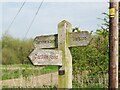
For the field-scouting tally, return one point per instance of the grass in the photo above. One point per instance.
(16, 71)
(25, 88)
(30, 70)
(16, 66)
(85, 85)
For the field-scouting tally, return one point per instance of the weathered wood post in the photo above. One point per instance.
(113, 45)
(65, 71)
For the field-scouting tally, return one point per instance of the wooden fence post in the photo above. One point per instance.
(65, 71)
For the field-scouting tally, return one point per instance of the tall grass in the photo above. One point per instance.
(91, 81)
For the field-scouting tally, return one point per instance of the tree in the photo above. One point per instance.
(94, 57)
(15, 51)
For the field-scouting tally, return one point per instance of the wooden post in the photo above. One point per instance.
(65, 71)
(113, 49)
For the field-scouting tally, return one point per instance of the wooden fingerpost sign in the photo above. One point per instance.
(54, 50)
(65, 81)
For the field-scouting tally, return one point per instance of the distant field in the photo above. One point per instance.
(16, 71)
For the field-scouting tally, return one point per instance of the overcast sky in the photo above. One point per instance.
(80, 14)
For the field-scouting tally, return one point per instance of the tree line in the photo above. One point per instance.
(14, 50)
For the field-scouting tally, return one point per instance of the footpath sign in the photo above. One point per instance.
(54, 50)
(75, 39)
(47, 41)
(46, 57)
(82, 38)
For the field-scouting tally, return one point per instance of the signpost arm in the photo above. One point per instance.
(65, 71)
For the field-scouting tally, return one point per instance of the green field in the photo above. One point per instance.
(16, 71)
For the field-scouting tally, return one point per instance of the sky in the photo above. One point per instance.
(82, 14)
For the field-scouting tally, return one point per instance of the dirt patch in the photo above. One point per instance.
(33, 81)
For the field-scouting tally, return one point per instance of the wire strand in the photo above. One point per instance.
(33, 19)
(15, 17)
